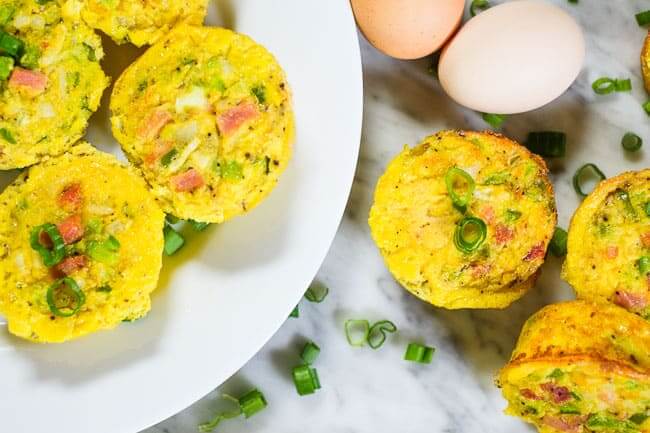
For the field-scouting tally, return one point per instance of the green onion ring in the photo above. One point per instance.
(460, 240)
(494, 120)
(310, 352)
(558, 245)
(451, 176)
(478, 4)
(577, 177)
(79, 296)
(631, 142)
(57, 253)
(295, 313)
(416, 352)
(643, 18)
(317, 293)
(252, 402)
(377, 333)
(306, 379)
(604, 86)
(643, 264)
(352, 325)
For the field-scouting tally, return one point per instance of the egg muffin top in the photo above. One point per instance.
(50, 80)
(81, 242)
(463, 220)
(206, 115)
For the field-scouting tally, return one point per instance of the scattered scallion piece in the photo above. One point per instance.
(198, 226)
(168, 157)
(551, 144)
(647, 208)
(64, 297)
(512, 215)
(581, 173)
(478, 5)
(623, 85)
(7, 136)
(624, 196)
(643, 18)
(316, 293)
(643, 264)
(558, 247)
(460, 186)
(646, 107)
(104, 251)
(419, 353)
(470, 234)
(295, 313)
(6, 66)
(494, 120)
(306, 379)
(573, 1)
(607, 85)
(11, 45)
(310, 352)
(171, 219)
(638, 418)
(631, 142)
(356, 331)
(50, 256)
(31, 57)
(248, 405)
(173, 240)
(377, 333)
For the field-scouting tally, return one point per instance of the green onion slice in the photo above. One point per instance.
(104, 251)
(606, 85)
(173, 240)
(460, 186)
(6, 66)
(646, 207)
(551, 144)
(494, 120)
(558, 247)
(316, 293)
(310, 352)
(168, 157)
(583, 172)
(377, 333)
(643, 18)
(356, 331)
(646, 107)
(624, 196)
(478, 5)
(623, 85)
(52, 256)
(64, 297)
(638, 418)
(11, 45)
(419, 353)
(7, 136)
(470, 234)
(631, 142)
(643, 264)
(252, 402)
(198, 226)
(306, 379)
(295, 313)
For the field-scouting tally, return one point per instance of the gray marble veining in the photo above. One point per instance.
(376, 391)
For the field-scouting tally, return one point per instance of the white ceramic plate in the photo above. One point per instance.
(223, 296)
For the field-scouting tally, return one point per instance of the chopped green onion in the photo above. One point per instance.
(173, 240)
(638, 418)
(11, 45)
(316, 293)
(310, 352)
(647, 208)
(582, 172)
(7, 136)
(252, 402)
(295, 313)
(198, 226)
(470, 234)
(512, 215)
(573, 1)
(550, 144)
(623, 195)
(556, 374)
(606, 85)
(168, 157)
(207, 427)
(105, 289)
(478, 5)
(356, 331)
(603, 422)
(104, 251)
(460, 186)
(646, 107)
(73, 298)
(377, 333)
(6, 14)
(306, 379)
(6, 66)
(418, 353)
(631, 142)
(171, 219)
(494, 120)
(260, 93)
(643, 264)
(558, 247)
(31, 57)
(643, 18)
(569, 409)
(112, 243)
(52, 256)
(623, 85)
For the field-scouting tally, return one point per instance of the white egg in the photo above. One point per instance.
(512, 58)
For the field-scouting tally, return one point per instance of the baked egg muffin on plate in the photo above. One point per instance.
(81, 241)
(608, 247)
(463, 220)
(581, 367)
(206, 115)
(140, 22)
(645, 62)
(50, 80)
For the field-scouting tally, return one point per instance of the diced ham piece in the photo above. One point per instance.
(33, 81)
(71, 229)
(503, 234)
(71, 264)
(232, 119)
(71, 197)
(188, 181)
(645, 239)
(487, 213)
(611, 252)
(529, 394)
(566, 423)
(537, 252)
(160, 149)
(630, 301)
(153, 124)
(559, 394)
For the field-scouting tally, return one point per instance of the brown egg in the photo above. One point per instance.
(408, 29)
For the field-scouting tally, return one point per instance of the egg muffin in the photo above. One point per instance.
(50, 80)
(136, 21)
(581, 367)
(81, 242)
(608, 256)
(206, 115)
(645, 62)
(463, 220)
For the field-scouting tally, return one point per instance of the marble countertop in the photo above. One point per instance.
(376, 391)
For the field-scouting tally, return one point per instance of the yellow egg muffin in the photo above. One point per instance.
(206, 115)
(581, 367)
(463, 220)
(645, 62)
(608, 256)
(81, 242)
(50, 80)
(140, 22)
